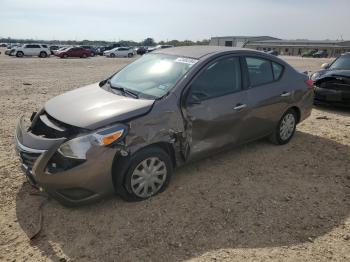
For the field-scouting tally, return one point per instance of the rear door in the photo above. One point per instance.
(267, 96)
(215, 107)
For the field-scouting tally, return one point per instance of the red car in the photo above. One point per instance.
(73, 52)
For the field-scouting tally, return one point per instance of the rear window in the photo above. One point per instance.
(263, 71)
(259, 70)
(277, 70)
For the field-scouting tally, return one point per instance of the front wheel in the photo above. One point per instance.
(285, 129)
(130, 55)
(19, 54)
(148, 174)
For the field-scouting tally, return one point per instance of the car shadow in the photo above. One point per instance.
(254, 196)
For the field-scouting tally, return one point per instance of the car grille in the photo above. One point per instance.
(341, 85)
(48, 127)
(28, 159)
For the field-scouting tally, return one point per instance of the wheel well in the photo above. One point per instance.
(297, 111)
(168, 148)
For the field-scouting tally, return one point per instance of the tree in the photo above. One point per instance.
(149, 42)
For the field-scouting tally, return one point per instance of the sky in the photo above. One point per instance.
(178, 19)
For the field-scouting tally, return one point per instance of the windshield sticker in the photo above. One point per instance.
(184, 60)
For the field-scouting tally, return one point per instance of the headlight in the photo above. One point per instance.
(77, 147)
(314, 76)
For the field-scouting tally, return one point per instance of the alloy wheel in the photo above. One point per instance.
(287, 126)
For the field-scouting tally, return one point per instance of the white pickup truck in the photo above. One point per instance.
(32, 50)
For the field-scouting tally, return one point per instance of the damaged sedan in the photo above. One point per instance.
(332, 84)
(128, 133)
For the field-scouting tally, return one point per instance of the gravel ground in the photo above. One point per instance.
(258, 202)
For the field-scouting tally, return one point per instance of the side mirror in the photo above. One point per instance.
(325, 65)
(102, 83)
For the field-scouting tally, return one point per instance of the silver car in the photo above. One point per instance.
(129, 132)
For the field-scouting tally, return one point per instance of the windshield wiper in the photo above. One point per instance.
(124, 90)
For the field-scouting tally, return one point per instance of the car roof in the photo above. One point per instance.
(198, 52)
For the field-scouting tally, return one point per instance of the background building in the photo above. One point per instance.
(284, 47)
(237, 41)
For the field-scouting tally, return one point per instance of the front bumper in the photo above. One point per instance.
(330, 96)
(84, 183)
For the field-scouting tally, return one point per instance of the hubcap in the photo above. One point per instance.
(148, 177)
(287, 126)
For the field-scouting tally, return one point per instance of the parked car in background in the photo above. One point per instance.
(32, 50)
(54, 48)
(107, 48)
(140, 50)
(164, 46)
(73, 52)
(3, 45)
(119, 52)
(332, 84)
(128, 133)
(10, 50)
(309, 53)
(320, 54)
(100, 50)
(61, 49)
(91, 48)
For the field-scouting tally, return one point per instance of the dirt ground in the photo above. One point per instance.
(258, 202)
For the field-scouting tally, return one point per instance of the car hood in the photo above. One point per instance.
(92, 107)
(331, 73)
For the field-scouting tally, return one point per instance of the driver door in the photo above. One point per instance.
(216, 106)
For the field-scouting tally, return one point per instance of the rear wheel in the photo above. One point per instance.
(43, 55)
(285, 129)
(19, 54)
(148, 173)
(130, 55)
(92, 54)
(65, 56)
(112, 55)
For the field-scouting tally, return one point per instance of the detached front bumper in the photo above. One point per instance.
(81, 184)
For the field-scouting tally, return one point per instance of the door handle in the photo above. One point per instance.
(284, 94)
(240, 106)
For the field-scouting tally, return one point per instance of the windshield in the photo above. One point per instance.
(153, 75)
(343, 62)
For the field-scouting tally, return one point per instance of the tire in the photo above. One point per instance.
(128, 173)
(92, 54)
(282, 135)
(43, 55)
(130, 55)
(19, 54)
(112, 55)
(84, 56)
(65, 56)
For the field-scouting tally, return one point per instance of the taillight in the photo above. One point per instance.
(310, 84)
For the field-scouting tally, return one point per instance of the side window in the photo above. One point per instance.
(259, 70)
(44, 46)
(277, 70)
(35, 46)
(218, 79)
